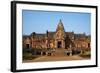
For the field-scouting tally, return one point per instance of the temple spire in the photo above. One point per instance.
(60, 22)
(60, 26)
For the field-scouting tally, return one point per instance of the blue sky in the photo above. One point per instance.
(41, 21)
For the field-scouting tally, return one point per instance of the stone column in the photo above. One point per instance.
(41, 53)
(55, 44)
(63, 44)
(70, 53)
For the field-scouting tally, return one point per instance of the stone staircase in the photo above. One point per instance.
(59, 52)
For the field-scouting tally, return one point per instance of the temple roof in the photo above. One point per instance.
(60, 26)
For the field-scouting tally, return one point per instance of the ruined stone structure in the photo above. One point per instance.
(58, 40)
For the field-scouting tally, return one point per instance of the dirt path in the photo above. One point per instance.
(55, 58)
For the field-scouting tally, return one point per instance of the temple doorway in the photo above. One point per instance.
(59, 45)
(27, 46)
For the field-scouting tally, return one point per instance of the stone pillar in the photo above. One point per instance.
(46, 53)
(41, 53)
(55, 44)
(81, 52)
(63, 44)
(70, 53)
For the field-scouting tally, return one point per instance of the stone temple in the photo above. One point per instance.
(57, 42)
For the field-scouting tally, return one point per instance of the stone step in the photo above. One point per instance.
(59, 53)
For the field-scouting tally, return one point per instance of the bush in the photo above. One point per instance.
(27, 56)
(86, 54)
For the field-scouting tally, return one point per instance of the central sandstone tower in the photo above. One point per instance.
(60, 36)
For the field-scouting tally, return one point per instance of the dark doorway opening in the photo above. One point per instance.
(44, 53)
(38, 53)
(59, 44)
(88, 45)
(27, 46)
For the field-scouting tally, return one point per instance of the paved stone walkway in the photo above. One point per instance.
(55, 58)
